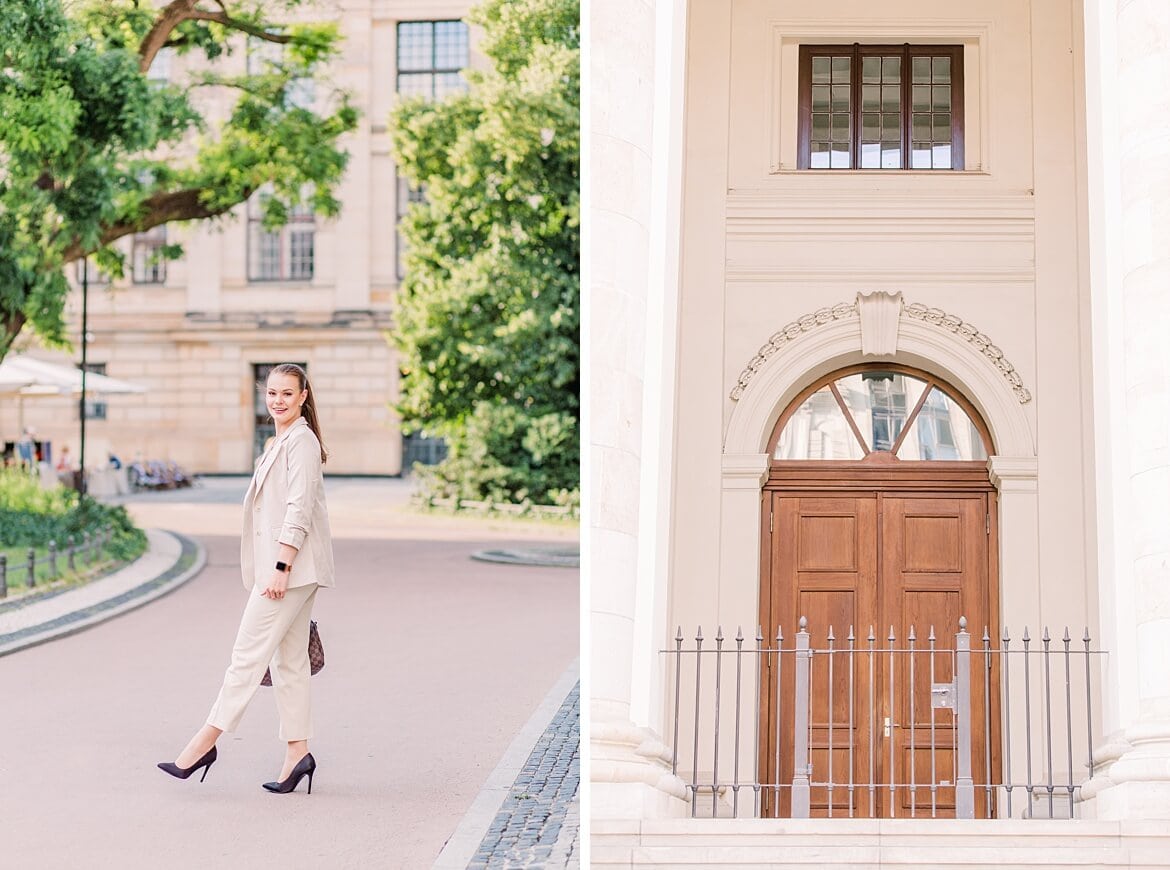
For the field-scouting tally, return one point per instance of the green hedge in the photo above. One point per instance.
(31, 517)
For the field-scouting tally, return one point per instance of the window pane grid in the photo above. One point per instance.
(147, 266)
(832, 107)
(431, 55)
(899, 109)
(286, 254)
(933, 118)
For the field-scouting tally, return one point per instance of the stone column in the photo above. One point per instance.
(628, 361)
(1134, 764)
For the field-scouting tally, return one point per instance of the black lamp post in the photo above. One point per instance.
(81, 487)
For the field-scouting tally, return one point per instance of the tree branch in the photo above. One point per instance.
(10, 325)
(179, 205)
(178, 11)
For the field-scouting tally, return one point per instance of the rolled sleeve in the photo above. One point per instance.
(303, 458)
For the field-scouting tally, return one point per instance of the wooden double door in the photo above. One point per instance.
(900, 564)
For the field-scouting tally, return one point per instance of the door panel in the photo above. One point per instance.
(826, 548)
(933, 569)
(886, 560)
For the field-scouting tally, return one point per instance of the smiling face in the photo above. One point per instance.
(284, 397)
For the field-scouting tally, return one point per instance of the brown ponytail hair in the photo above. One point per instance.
(309, 408)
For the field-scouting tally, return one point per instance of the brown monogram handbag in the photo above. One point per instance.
(316, 655)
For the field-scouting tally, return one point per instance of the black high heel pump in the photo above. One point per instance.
(205, 762)
(305, 767)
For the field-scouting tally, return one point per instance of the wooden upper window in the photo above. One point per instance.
(881, 107)
(884, 412)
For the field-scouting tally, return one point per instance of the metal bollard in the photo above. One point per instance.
(800, 767)
(32, 567)
(964, 787)
(70, 549)
(3, 575)
(52, 560)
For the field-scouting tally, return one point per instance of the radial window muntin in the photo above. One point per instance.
(879, 412)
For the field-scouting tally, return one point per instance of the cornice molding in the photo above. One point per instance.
(963, 329)
(915, 311)
(796, 328)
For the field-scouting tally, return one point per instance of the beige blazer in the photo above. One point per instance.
(285, 504)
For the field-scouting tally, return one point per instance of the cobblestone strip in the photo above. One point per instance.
(539, 822)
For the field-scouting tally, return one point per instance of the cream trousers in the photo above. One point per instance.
(272, 633)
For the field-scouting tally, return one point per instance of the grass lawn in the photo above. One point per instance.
(88, 566)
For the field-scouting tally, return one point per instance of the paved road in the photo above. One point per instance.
(434, 662)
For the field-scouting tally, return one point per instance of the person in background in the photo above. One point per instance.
(26, 450)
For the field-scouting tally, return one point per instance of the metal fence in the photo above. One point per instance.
(870, 727)
(76, 553)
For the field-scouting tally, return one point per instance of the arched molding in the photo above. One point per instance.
(837, 343)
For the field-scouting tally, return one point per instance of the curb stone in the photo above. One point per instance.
(192, 556)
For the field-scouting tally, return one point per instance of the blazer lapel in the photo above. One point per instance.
(265, 465)
(269, 458)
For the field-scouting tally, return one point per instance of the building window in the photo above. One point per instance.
(264, 57)
(877, 409)
(285, 254)
(160, 68)
(95, 409)
(431, 55)
(95, 277)
(881, 107)
(407, 194)
(148, 266)
(423, 449)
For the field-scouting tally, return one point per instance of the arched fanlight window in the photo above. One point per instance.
(881, 413)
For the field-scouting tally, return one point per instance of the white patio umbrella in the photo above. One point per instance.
(23, 376)
(26, 376)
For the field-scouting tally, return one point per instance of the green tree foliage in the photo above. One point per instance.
(488, 315)
(92, 149)
(31, 516)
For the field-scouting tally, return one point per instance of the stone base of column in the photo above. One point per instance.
(630, 774)
(1132, 776)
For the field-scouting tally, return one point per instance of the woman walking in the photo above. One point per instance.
(286, 555)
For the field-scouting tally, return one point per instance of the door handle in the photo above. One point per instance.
(888, 725)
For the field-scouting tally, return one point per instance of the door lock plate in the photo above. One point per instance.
(942, 696)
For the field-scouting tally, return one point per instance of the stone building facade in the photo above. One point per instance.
(198, 332)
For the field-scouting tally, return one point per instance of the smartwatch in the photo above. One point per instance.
(283, 566)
